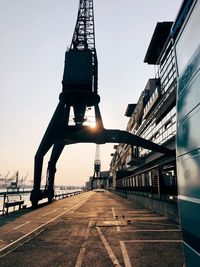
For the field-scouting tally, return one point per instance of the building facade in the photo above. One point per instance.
(153, 117)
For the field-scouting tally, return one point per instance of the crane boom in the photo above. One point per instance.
(84, 37)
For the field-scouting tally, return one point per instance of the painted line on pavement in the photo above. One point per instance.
(48, 213)
(83, 247)
(125, 254)
(113, 212)
(114, 216)
(153, 241)
(21, 244)
(151, 230)
(53, 219)
(108, 249)
(21, 225)
(157, 223)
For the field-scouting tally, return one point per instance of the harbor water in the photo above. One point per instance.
(25, 196)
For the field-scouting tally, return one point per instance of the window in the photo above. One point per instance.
(168, 124)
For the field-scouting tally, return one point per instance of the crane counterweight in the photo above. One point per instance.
(78, 71)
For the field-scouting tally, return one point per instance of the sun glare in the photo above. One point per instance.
(92, 124)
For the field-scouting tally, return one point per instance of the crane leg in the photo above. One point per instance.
(48, 140)
(36, 193)
(92, 181)
(51, 171)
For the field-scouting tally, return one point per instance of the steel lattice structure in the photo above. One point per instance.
(84, 35)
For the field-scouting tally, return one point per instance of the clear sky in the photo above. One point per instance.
(34, 36)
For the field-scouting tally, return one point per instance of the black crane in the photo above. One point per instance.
(97, 167)
(79, 91)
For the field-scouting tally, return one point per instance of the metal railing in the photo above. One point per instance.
(12, 201)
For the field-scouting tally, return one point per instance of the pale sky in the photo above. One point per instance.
(34, 36)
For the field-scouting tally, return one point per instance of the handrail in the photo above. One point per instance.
(8, 202)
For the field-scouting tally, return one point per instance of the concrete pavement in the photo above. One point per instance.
(96, 228)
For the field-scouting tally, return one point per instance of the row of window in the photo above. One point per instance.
(150, 179)
(140, 180)
(167, 70)
(161, 132)
(151, 101)
(166, 128)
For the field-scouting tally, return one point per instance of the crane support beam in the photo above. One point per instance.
(86, 134)
(59, 135)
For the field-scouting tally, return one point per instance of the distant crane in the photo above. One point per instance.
(11, 178)
(79, 91)
(6, 176)
(23, 180)
(14, 185)
(3, 180)
(97, 167)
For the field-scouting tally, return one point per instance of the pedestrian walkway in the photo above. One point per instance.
(96, 228)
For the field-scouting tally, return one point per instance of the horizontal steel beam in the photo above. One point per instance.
(85, 134)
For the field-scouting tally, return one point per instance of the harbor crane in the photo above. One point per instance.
(79, 92)
(97, 166)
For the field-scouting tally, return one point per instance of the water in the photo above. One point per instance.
(26, 196)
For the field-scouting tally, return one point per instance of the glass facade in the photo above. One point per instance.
(153, 119)
(167, 68)
(157, 181)
(165, 129)
(162, 132)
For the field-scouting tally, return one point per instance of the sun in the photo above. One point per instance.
(92, 124)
